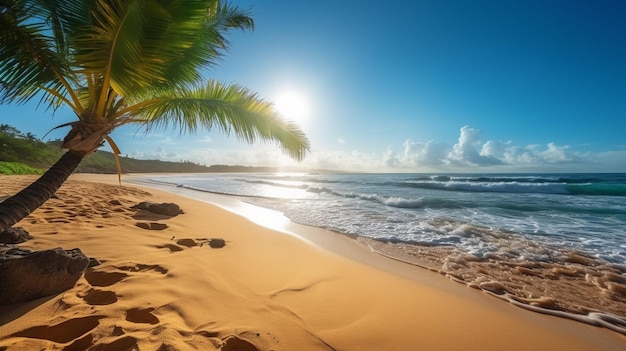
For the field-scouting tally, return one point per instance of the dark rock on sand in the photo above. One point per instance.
(166, 208)
(27, 275)
(93, 262)
(14, 235)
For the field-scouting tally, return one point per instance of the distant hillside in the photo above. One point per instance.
(16, 146)
(25, 148)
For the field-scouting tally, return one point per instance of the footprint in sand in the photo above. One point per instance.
(188, 242)
(96, 297)
(171, 247)
(145, 315)
(63, 332)
(233, 343)
(123, 343)
(102, 279)
(151, 225)
(80, 344)
(181, 244)
(139, 267)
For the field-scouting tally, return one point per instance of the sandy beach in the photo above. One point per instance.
(166, 288)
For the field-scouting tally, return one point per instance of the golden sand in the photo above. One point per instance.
(265, 290)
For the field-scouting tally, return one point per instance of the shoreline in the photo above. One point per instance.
(271, 290)
(435, 259)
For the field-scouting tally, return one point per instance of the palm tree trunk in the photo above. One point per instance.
(20, 205)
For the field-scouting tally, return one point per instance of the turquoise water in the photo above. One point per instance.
(584, 212)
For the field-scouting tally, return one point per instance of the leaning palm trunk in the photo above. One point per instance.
(127, 62)
(13, 209)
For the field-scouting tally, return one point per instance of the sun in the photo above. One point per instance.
(293, 105)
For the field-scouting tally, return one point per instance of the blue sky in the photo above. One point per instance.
(420, 86)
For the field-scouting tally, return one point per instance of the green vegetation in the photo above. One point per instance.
(18, 168)
(23, 153)
(17, 147)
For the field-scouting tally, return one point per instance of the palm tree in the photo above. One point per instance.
(120, 62)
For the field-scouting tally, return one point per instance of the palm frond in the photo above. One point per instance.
(230, 108)
(28, 59)
(119, 61)
(209, 43)
(63, 18)
(116, 155)
(106, 50)
(150, 43)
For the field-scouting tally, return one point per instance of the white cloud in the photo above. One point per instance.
(556, 154)
(468, 151)
(471, 154)
(468, 154)
(416, 154)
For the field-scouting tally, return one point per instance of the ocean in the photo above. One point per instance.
(549, 242)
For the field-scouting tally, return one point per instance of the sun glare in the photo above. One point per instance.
(293, 105)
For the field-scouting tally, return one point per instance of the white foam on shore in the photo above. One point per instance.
(472, 272)
(473, 243)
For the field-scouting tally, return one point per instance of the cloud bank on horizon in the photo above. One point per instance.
(469, 154)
